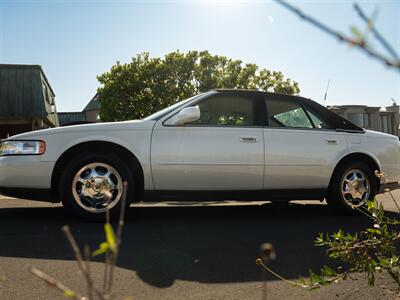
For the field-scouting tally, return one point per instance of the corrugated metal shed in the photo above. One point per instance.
(94, 104)
(26, 93)
(66, 118)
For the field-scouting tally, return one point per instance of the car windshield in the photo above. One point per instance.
(166, 110)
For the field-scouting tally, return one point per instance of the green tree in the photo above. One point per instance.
(148, 84)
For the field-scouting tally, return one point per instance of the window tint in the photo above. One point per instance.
(226, 110)
(317, 122)
(288, 113)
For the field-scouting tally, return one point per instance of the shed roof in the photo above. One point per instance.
(19, 66)
(26, 93)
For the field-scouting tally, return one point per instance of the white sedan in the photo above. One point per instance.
(223, 144)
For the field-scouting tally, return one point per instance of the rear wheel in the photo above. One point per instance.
(94, 183)
(353, 184)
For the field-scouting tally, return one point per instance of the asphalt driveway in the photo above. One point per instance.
(175, 251)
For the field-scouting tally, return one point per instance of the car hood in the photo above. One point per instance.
(88, 128)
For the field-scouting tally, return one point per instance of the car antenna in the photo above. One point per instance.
(326, 92)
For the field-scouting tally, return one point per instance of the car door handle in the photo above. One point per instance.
(332, 141)
(248, 139)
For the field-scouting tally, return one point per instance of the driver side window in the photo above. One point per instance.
(226, 110)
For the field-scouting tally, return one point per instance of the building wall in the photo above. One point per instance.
(10, 127)
(373, 118)
(375, 121)
(26, 100)
(395, 118)
(92, 115)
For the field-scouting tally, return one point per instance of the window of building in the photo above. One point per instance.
(386, 124)
(45, 92)
(356, 118)
(367, 120)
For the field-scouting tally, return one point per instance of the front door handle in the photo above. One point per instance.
(332, 141)
(248, 139)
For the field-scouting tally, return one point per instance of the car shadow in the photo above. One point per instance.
(210, 244)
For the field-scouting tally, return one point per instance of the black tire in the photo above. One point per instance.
(335, 198)
(74, 166)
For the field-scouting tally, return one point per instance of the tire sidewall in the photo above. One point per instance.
(74, 165)
(335, 197)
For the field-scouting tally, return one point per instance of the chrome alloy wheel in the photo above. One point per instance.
(92, 182)
(355, 187)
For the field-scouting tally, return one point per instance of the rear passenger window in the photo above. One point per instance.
(284, 112)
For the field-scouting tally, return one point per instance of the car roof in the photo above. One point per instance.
(249, 91)
(333, 118)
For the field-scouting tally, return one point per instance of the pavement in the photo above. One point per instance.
(182, 250)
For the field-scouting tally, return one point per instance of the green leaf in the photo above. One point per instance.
(303, 281)
(314, 278)
(356, 32)
(103, 248)
(69, 294)
(110, 237)
(374, 231)
(372, 19)
(328, 271)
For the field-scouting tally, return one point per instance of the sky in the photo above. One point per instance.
(75, 41)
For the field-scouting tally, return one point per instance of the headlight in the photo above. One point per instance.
(22, 148)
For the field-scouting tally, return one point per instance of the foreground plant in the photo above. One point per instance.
(110, 249)
(371, 251)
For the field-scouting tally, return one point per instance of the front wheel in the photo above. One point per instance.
(353, 184)
(94, 183)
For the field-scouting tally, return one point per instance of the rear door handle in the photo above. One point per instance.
(332, 141)
(248, 139)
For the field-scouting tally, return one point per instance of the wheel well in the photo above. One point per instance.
(99, 145)
(356, 157)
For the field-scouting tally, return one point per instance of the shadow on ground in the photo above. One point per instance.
(211, 244)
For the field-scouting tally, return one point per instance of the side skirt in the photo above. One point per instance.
(260, 195)
(44, 195)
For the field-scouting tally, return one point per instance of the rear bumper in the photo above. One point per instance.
(389, 186)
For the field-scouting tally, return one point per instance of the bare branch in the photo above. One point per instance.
(377, 35)
(90, 287)
(122, 214)
(114, 256)
(74, 247)
(54, 283)
(82, 265)
(359, 43)
(108, 197)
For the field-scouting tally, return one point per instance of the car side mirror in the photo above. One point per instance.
(186, 115)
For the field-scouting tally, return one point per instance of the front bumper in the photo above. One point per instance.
(26, 177)
(25, 171)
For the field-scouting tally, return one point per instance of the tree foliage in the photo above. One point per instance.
(148, 84)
